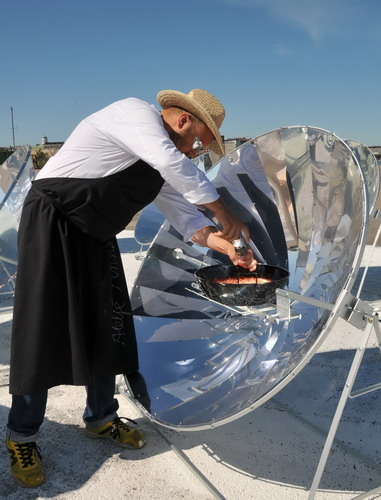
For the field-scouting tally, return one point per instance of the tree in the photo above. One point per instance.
(40, 158)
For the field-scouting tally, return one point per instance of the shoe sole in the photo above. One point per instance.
(92, 435)
(27, 486)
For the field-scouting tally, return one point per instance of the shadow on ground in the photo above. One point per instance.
(282, 441)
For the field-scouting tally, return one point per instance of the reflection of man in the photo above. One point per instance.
(72, 319)
(245, 182)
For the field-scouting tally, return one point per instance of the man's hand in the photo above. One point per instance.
(209, 237)
(231, 225)
(246, 260)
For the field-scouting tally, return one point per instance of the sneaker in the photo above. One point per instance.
(25, 463)
(119, 432)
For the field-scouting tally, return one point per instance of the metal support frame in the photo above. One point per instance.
(11, 279)
(122, 387)
(364, 317)
(372, 323)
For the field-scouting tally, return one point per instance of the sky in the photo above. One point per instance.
(272, 63)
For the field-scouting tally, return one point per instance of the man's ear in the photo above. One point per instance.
(183, 119)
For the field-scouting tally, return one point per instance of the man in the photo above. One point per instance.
(70, 274)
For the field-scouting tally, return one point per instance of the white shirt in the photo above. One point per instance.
(118, 135)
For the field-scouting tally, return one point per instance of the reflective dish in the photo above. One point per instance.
(302, 195)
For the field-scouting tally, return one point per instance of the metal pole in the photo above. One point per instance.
(13, 129)
(340, 408)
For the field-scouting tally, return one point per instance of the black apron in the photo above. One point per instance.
(72, 317)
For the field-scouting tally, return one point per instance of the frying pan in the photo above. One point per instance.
(238, 294)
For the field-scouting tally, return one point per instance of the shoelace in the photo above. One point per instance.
(118, 424)
(26, 452)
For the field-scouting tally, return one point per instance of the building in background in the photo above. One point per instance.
(42, 152)
(232, 144)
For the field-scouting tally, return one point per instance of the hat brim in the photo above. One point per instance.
(169, 98)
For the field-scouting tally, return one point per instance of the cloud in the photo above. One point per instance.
(282, 50)
(316, 17)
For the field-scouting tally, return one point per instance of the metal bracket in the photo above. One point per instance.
(178, 254)
(142, 253)
(352, 309)
(360, 313)
(284, 296)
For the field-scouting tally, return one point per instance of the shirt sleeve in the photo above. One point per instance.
(137, 128)
(181, 214)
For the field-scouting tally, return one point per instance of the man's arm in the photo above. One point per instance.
(194, 226)
(231, 225)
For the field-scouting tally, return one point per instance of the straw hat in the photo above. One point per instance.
(203, 105)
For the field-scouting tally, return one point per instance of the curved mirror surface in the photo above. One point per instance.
(302, 195)
(148, 224)
(206, 161)
(370, 169)
(16, 175)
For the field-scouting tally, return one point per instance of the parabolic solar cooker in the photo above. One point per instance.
(302, 194)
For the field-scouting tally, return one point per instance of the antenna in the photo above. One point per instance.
(13, 129)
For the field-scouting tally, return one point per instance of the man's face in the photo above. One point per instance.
(187, 132)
